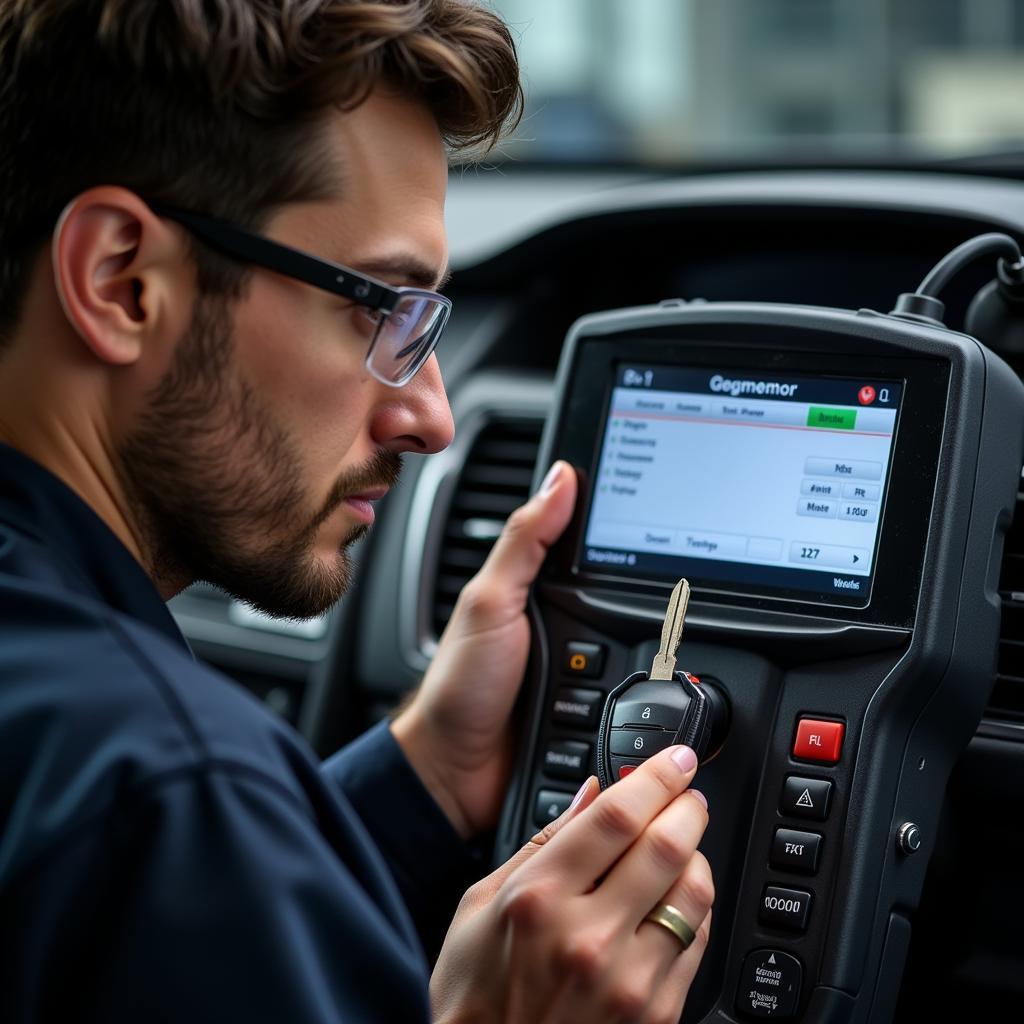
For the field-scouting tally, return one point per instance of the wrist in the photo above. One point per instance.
(411, 733)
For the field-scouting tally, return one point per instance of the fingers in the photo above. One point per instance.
(503, 582)
(657, 858)
(672, 988)
(587, 847)
(691, 894)
(583, 799)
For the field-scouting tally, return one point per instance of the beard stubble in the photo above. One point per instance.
(216, 485)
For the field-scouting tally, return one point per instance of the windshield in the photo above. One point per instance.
(681, 82)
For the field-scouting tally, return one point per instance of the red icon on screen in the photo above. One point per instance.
(866, 395)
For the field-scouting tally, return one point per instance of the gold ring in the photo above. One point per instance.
(668, 917)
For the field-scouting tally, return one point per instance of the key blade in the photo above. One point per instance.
(664, 665)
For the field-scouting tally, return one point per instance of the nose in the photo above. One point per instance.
(416, 418)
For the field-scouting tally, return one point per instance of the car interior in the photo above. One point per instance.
(714, 334)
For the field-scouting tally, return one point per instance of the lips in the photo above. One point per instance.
(362, 504)
(372, 494)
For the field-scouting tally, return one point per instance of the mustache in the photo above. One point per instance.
(382, 469)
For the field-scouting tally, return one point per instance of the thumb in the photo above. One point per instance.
(583, 799)
(517, 556)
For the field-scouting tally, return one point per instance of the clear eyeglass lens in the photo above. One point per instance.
(407, 337)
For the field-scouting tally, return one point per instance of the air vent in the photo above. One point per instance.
(1007, 700)
(495, 479)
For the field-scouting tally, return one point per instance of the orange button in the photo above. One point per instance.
(819, 741)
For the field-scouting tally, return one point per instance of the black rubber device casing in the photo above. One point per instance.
(908, 674)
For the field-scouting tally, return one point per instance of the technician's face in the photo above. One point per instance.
(264, 447)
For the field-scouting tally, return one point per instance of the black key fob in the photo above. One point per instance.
(642, 716)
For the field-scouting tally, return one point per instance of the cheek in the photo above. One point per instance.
(306, 363)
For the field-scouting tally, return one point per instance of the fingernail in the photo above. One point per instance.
(685, 758)
(700, 796)
(579, 796)
(549, 481)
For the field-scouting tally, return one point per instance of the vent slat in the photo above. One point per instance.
(466, 558)
(475, 502)
(499, 477)
(494, 481)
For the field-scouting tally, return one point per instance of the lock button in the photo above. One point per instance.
(639, 742)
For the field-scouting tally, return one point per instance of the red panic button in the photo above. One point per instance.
(819, 741)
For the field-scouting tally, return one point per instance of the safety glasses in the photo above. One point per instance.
(405, 323)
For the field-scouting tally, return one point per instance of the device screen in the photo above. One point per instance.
(743, 481)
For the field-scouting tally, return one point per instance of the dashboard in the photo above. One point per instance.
(544, 257)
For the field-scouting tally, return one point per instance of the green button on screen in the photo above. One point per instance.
(835, 419)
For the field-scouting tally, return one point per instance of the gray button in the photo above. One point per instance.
(806, 798)
(845, 468)
(796, 851)
(821, 488)
(858, 511)
(823, 508)
(862, 492)
(770, 984)
(580, 708)
(785, 908)
(567, 759)
(550, 804)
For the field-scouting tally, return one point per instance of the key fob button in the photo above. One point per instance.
(620, 763)
(639, 742)
(630, 711)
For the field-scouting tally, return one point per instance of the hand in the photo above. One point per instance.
(558, 934)
(456, 731)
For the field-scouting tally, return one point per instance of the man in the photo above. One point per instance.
(183, 397)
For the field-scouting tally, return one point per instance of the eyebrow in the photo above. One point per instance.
(404, 268)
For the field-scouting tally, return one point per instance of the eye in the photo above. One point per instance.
(366, 320)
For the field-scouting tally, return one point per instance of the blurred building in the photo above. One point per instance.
(671, 80)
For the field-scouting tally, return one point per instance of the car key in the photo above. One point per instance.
(649, 711)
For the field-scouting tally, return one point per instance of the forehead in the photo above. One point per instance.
(391, 168)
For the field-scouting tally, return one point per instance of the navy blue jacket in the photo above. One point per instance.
(169, 850)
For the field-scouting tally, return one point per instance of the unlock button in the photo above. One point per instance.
(639, 742)
(647, 712)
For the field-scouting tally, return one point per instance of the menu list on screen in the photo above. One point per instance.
(742, 478)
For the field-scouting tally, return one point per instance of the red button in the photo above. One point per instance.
(819, 741)
(626, 769)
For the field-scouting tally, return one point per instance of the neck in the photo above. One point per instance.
(82, 460)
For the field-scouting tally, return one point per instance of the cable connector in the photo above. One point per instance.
(923, 304)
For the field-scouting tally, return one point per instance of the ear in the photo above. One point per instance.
(122, 274)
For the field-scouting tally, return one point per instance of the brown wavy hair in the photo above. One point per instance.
(213, 104)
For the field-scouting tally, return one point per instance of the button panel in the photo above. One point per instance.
(580, 708)
(567, 759)
(796, 851)
(770, 982)
(819, 741)
(550, 804)
(806, 798)
(583, 659)
(785, 908)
